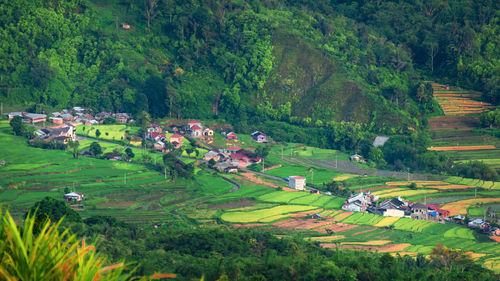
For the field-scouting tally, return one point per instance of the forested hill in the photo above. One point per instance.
(306, 62)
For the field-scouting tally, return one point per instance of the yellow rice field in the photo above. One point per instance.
(327, 238)
(493, 264)
(387, 221)
(343, 177)
(368, 243)
(390, 190)
(395, 248)
(460, 207)
(418, 183)
(450, 186)
(405, 192)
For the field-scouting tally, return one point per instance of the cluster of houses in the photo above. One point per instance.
(231, 158)
(60, 134)
(75, 116)
(478, 224)
(395, 207)
(155, 134)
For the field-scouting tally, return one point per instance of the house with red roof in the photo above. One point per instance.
(195, 131)
(154, 128)
(192, 123)
(245, 158)
(231, 136)
(230, 150)
(176, 140)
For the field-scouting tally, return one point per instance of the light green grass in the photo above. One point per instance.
(210, 184)
(115, 132)
(476, 212)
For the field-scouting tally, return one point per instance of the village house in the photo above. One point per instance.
(11, 115)
(226, 167)
(357, 158)
(66, 117)
(66, 131)
(212, 155)
(192, 123)
(159, 145)
(78, 109)
(394, 213)
(245, 158)
(125, 26)
(230, 150)
(74, 196)
(259, 137)
(154, 128)
(297, 182)
(477, 223)
(207, 133)
(113, 156)
(419, 211)
(34, 117)
(122, 117)
(359, 202)
(195, 131)
(154, 136)
(231, 136)
(176, 140)
(56, 120)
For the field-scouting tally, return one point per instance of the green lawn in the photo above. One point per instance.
(115, 132)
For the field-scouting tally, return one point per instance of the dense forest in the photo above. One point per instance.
(303, 62)
(223, 253)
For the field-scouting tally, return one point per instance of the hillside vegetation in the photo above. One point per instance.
(304, 62)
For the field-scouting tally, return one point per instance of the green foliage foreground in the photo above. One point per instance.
(52, 255)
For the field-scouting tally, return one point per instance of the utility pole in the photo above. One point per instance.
(336, 161)
(165, 170)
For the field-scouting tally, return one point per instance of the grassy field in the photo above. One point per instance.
(115, 132)
(300, 150)
(128, 191)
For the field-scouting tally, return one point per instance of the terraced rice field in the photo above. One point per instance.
(303, 198)
(403, 192)
(462, 148)
(460, 207)
(459, 102)
(475, 182)
(386, 221)
(260, 215)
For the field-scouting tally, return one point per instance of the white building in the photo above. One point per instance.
(394, 213)
(77, 196)
(297, 182)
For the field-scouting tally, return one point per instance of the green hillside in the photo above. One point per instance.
(297, 62)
